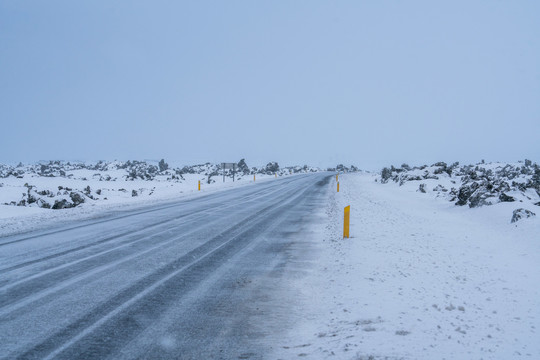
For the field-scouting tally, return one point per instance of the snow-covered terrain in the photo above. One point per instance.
(420, 278)
(441, 262)
(475, 185)
(48, 193)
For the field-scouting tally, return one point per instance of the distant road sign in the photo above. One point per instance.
(227, 166)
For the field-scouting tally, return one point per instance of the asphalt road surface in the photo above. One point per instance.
(204, 278)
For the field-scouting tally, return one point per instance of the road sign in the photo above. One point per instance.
(228, 166)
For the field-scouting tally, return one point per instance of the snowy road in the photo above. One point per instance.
(203, 278)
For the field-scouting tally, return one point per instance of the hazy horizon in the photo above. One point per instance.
(371, 84)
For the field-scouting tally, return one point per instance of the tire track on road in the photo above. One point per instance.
(153, 291)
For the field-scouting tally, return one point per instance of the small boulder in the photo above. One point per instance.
(440, 188)
(519, 214)
(506, 198)
(43, 204)
(479, 198)
(76, 198)
(61, 204)
(465, 193)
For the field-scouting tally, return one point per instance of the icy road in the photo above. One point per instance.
(200, 278)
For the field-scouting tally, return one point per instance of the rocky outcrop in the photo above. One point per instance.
(519, 214)
(473, 185)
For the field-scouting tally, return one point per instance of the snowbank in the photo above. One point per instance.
(420, 278)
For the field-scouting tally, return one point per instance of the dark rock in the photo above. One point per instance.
(535, 180)
(43, 204)
(61, 204)
(163, 165)
(479, 198)
(406, 177)
(503, 186)
(422, 188)
(386, 173)
(440, 163)
(76, 198)
(519, 214)
(271, 168)
(453, 194)
(440, 188)
(31, 199)
(242, 167)
(134, 193)
(520, 186)
(505, 198)
(427, 175)
(465, 193)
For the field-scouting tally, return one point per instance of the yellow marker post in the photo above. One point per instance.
(336, 177)
(199, 185)
(346, 221)
(275, 174)
(338, 187)
(253, 177)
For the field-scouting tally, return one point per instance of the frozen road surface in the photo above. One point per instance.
(201, 278)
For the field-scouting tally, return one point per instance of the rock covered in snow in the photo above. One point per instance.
(473, 185)
(505, 198)
(519, 214)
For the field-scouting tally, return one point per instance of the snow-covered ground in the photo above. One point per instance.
(482, 184)
(420, 278)
(113, 196)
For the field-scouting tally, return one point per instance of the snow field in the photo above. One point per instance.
(420, 278)
(114, 196)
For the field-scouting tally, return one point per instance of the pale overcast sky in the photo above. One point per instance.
(371, 83)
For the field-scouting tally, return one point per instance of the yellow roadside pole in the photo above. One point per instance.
(338, 187)
(253, 177)
(275, 174)
(199, 185)
(346, 221)
(336, 177)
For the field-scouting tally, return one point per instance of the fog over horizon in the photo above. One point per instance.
(371, 84)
